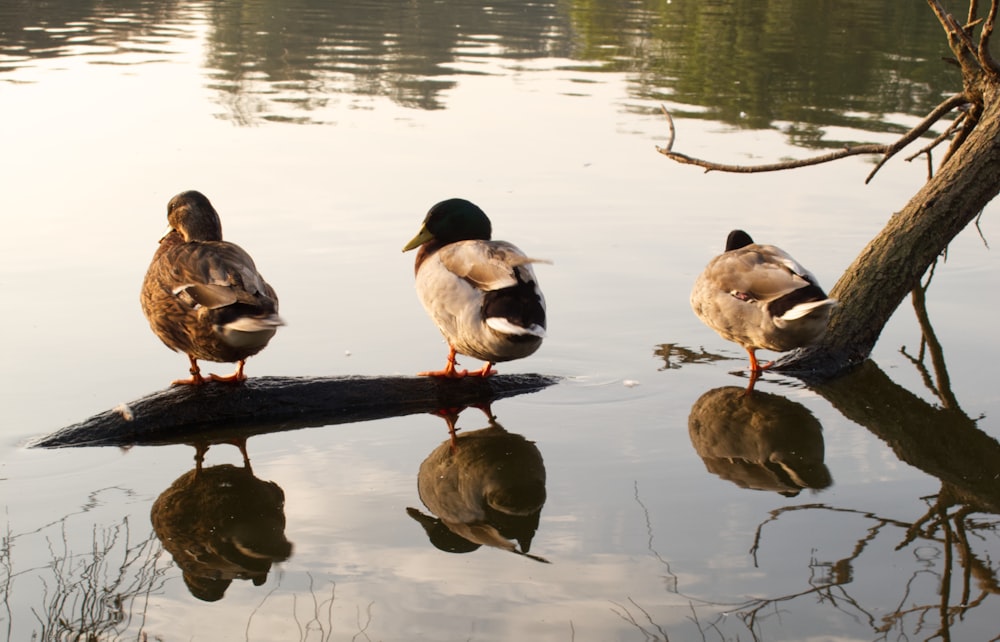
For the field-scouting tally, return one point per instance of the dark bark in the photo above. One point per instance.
(222, 412)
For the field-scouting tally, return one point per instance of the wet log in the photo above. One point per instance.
(224, 412)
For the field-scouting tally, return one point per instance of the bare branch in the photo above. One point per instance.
(956, 34)
(926, 149)
(673, 132)
(917, 131)
(773, 167)
(973, 10)
(872, 148)
(985, 58)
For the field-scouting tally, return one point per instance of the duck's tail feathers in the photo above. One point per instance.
(807, 308)
(526, 260)
(250, 331)
(505, 326)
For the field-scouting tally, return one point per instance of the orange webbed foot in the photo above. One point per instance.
(486, 371)
(236, 377)
(449, 371)
(195, 379)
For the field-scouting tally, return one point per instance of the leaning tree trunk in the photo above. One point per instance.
(893, 262)
(891, 265)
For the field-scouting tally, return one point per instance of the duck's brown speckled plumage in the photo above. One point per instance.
(221, 524)
(761, 298)
(203, 296)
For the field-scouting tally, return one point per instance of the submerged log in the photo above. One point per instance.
(222, 412)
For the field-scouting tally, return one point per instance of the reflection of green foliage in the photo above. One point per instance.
(755, 64)
(799, 66)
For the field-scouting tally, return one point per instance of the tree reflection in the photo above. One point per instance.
(949, 543)
(484, 487)
(100, 591)
(675, 356)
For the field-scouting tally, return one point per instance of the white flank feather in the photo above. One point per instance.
(504, 326)
(250, 331)
(804, 309)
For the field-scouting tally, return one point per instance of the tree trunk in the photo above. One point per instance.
(942, 442)
(891, 265)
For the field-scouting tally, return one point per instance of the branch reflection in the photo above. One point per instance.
(747, 438)
(483, 487)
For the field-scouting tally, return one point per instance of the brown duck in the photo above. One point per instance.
(204, 296)
(761, 298)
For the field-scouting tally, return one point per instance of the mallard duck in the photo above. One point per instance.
(761, 441)
(761, 298)
(482, 294)
(484, 487)
(221, 523)
(204, 296)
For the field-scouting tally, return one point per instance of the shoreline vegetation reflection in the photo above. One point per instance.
(742, 63)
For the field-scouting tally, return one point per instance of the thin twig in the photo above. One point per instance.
(670, 124)
(946, 106)
(941, 138)
(887, 151)
(773, 167)
(985, 58)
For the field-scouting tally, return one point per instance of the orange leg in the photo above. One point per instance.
(449, 371)
(196, 378)
(756, 366)
(236, 377)
(450, 416)
(200, 448)
(241, 443)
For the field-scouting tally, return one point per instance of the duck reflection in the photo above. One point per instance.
(484, 487)
(760, 441)
(221, 523)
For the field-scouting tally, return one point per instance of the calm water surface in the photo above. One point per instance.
(322, 134)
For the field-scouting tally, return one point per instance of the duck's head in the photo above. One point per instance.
(455, 219)
(737, 239)
(192, 216)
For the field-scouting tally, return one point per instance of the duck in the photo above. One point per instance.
(221, 523)
(482, 487)
(204, 296)
(482, 294)
(761, 298)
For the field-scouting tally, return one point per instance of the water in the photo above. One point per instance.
(322, 135)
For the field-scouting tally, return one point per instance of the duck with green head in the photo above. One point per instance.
(204, 296)
(482, 294)
(761, 298)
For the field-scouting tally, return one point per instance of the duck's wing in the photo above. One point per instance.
(761, 272)
(218, 274)
(488, 265)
